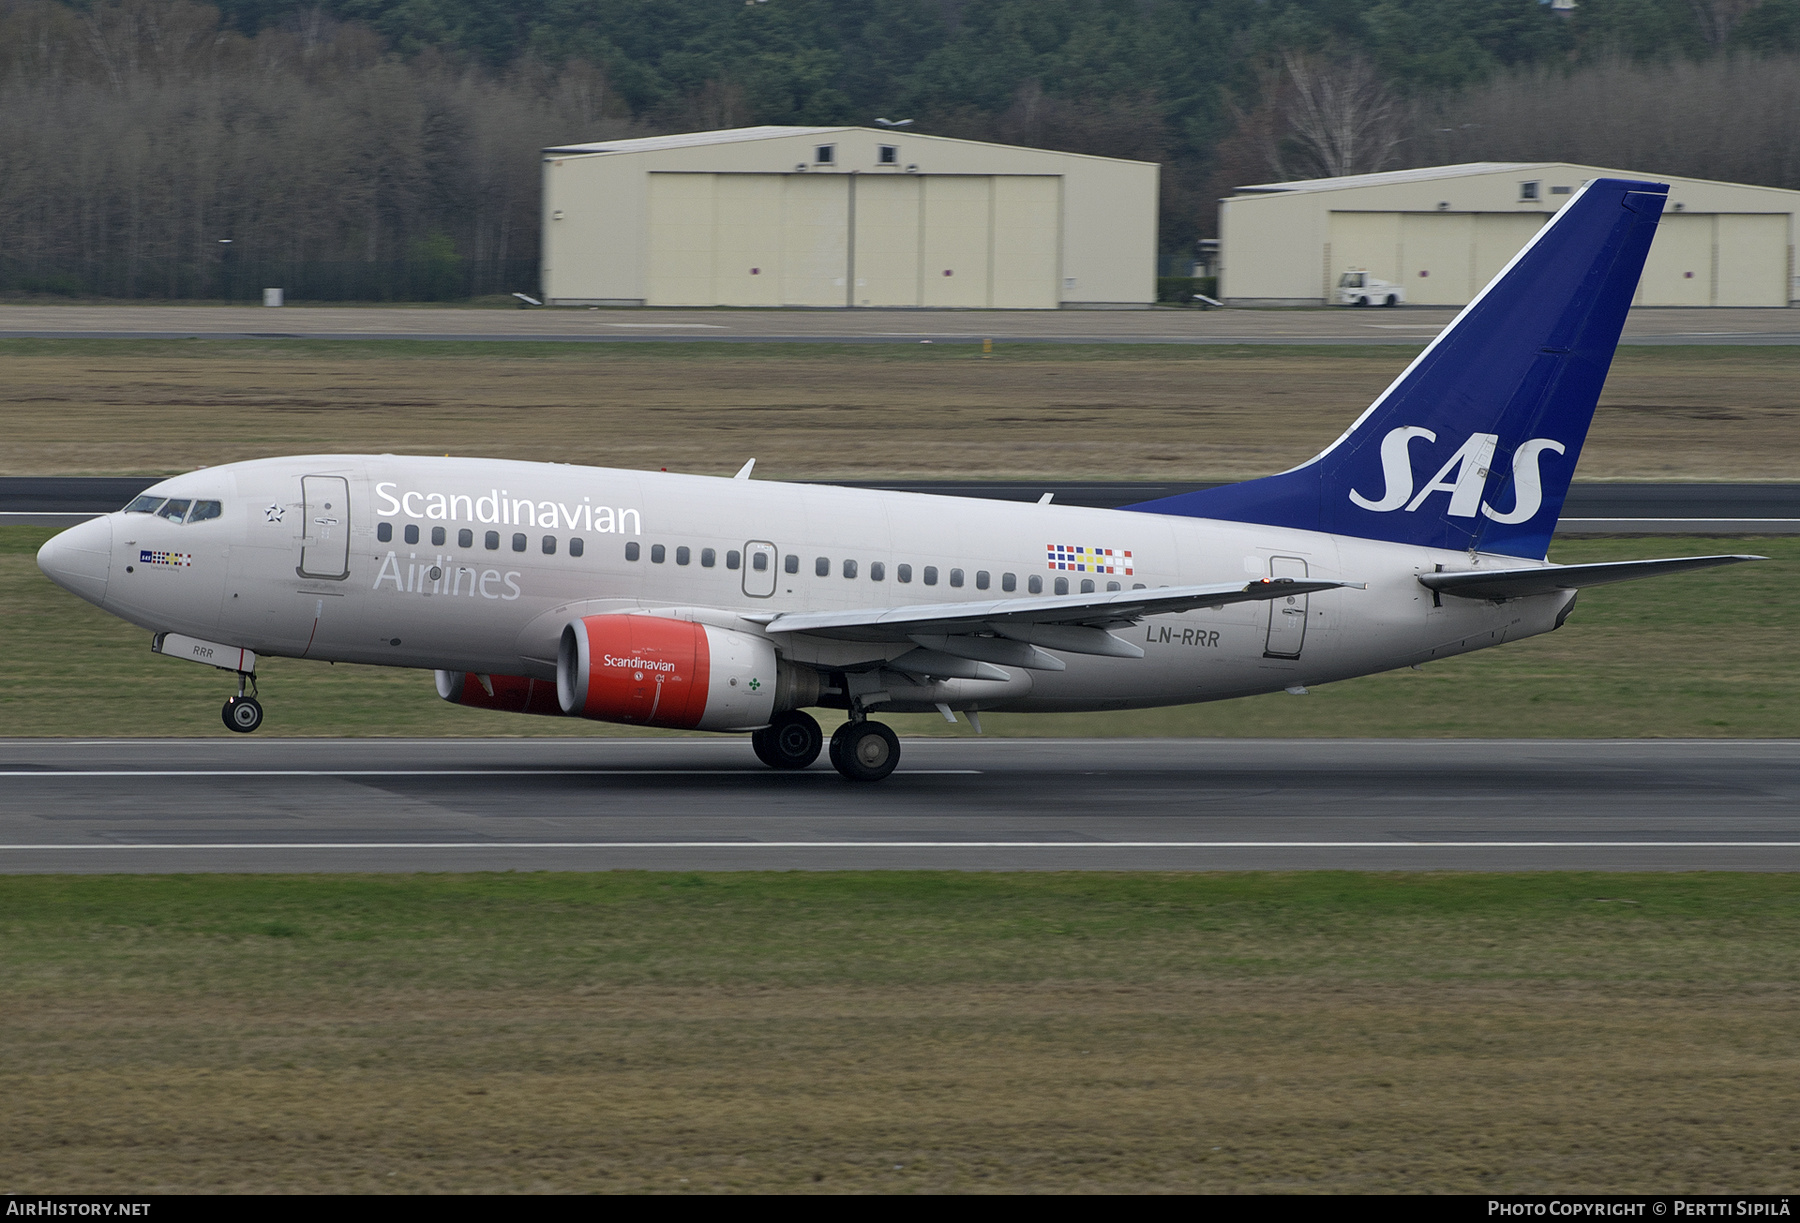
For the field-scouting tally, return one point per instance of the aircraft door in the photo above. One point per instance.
(1287, 617)
(325, 544)
(759, 569)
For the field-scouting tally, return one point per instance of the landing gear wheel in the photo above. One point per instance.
(865, 751)
(242, 714)
(790, 741)
(834, 751)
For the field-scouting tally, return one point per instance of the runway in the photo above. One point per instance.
(1411, 325)
(148, 806)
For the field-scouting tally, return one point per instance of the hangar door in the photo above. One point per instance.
(1717, 259)
(1441, 258)
(854, 240)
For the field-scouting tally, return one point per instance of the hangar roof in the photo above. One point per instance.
(744, 135)
(1470, 169)
(1421, 175)
(688, 140)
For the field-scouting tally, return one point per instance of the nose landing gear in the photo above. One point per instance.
(243, 712)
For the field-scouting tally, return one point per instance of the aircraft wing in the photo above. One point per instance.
(1010, 630)
(1514, 583)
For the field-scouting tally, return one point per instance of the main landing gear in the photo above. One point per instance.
(864, 751)
(791, 741)
(243, 712)
(861, 750)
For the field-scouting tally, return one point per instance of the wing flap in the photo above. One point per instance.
(1107, 610)
(1517, 583)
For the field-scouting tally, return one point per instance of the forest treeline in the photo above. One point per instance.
(387, 149)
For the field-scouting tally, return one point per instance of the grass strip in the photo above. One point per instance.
(901, 1031)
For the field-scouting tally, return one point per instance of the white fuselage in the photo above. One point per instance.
(279, 573)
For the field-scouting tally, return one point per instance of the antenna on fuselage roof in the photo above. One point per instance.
(744, 471)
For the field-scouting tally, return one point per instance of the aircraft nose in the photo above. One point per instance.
(80, 559)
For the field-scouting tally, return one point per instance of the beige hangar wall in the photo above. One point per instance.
(1445, 237)
(755, 220)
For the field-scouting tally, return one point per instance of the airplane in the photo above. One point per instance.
(734, 605)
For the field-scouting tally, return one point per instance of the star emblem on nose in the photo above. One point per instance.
(274, 513)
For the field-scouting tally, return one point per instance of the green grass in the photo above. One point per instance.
(1713, 654)
(893, 1031)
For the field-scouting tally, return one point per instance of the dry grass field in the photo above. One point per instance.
(100, 407)
(898, 1032)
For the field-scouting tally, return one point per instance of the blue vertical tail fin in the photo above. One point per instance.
(1474, 444)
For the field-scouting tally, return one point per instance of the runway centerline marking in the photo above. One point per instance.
(366, 845)
(599, 772)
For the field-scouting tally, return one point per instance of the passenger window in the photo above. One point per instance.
(981, 579)
(1137, 586)
(956, 577)
(518, 541)
(631, 551)
(203, 510)
(549, 545)
(903, 572)
(437, 537)
(143, 505)
(412, 533)
(576, 546)
(657, 554)
(707, 558)
(791, 563)
(1087, 586)
(1009, 581)
(849, 569)
(683, 556)
(1062, 586)
(1114, 586)
(877, 571)
(465, 538)
(492, 541)
(822, 566)
(760, 562)
(931, 575)
(384, 532)
(173, 510)
(731, 559)
(1035, 583)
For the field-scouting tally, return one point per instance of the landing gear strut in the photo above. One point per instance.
(864, 751)
(243, 712)
(791, 741)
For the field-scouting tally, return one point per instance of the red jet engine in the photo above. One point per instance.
(657, 671)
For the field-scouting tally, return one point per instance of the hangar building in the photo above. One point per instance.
(844, 216)
(1444, 231)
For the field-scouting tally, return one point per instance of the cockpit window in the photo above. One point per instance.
(203, 510)
(144, 505)
(174, 509)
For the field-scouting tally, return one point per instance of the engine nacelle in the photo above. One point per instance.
(655, 671)
(508, 693)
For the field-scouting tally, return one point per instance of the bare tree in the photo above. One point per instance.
(1339, 116)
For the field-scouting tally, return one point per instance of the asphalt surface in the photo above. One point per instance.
(146, 806)
(1407, 325)
(1722, 509)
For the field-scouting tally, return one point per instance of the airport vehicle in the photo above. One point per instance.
(736, 604)
(1357, 288)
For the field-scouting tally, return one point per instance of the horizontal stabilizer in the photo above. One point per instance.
(1111, 609)
(1516, 583)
